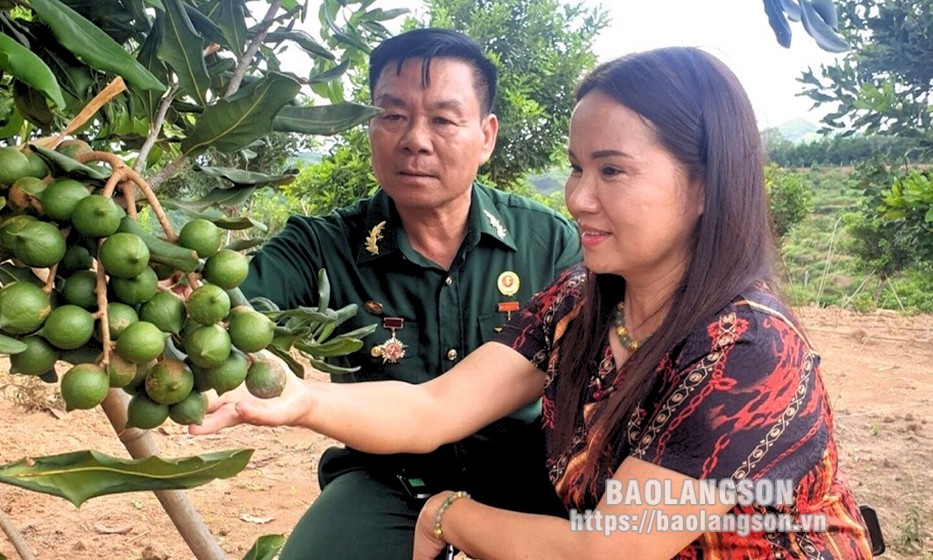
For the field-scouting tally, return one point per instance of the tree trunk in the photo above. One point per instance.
(175, 502)
(879, 288)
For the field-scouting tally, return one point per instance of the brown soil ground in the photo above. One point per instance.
(878, 367)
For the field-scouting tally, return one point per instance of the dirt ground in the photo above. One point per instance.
(878, 367)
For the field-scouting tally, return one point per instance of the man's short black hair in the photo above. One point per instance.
(429, 43)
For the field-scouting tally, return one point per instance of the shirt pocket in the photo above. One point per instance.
(489, 325)
(379, 349)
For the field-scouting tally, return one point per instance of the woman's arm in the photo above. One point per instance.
(495, 534)
(393, 416)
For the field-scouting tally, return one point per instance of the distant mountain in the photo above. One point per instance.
(303, 159)
(799, 130)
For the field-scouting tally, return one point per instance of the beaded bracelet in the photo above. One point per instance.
(438, 532)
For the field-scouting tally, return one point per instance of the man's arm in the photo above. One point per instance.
(285, 269)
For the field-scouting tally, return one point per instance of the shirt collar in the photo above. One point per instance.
(485, 218)
(383, 226)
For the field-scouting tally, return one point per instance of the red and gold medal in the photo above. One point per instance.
(393, 349)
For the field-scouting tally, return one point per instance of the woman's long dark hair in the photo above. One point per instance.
(702, 116)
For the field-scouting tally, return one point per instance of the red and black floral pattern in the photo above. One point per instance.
(740, 398)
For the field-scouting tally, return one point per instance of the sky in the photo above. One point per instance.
(736, 31)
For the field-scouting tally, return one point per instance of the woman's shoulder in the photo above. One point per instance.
(769, 312)
(570, 282)
(756, 316)
(561, 297)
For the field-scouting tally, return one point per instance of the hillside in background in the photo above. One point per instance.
(799, 130)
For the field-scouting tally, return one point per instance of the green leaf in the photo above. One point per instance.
(791, 8)
(239, 223)
(266, 547)
(825, 37)
(323, 119)
(232, 123)
(827, 12)
(302, 315)
(232, 22)
(245, 244)
(32, 105)
(330, 75)
(21, 63)
(303, 40)
(321, 365)
(81, 475)
(362, 331)
(264, 304)
(241, 177)
(778, 22)
(182, 49)
(10, 273)
(286, 357)
(149, 57)
(91, 44)
(218, 197)
(61, 164)
(340, 346)
(348, 36)
(203, 25)
(13, 125)
(323, 291)
(11, 345)
(382, 15)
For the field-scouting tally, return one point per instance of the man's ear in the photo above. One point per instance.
(490, 128)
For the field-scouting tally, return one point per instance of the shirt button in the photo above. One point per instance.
(448, 281)
(452, 354)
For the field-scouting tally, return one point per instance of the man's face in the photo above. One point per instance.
(428, 142)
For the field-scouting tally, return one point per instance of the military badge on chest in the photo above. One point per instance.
(508, 284)
(393, 349)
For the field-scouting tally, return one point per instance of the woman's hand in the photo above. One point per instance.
(238, 406)
(428, 546)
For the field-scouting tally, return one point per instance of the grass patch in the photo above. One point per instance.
(30, 392)
(910, 532)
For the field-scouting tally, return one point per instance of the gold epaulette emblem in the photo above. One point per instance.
(372, 240)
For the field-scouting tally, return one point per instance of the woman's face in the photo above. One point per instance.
(636, 209)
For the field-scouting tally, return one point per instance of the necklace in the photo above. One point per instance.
(625, 338)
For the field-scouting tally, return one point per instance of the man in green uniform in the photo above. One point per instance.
(438, 263)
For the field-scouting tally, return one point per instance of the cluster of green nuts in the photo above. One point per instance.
(84, 282)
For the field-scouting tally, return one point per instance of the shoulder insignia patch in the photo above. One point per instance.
(372, 240)
(500, 229)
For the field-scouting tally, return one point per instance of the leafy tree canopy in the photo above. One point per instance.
(885, 82)
(198, 76)
(542, 48)
(885, 85)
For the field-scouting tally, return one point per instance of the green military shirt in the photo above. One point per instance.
(513, 248)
